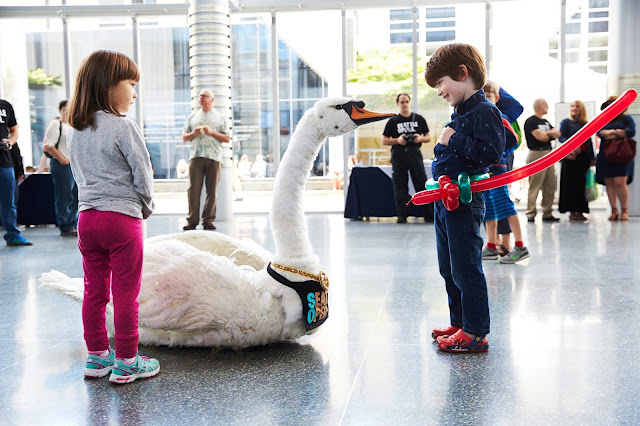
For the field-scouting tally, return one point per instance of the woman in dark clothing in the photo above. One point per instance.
(616, 177)
(575, 165)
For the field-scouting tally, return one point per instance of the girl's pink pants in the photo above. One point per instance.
(112, 250)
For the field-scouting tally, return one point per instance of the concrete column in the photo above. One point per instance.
(210, 64)
(624, 72)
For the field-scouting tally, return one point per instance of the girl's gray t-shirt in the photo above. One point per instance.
(112, 167)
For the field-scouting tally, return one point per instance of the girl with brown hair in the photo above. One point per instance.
(112, 168)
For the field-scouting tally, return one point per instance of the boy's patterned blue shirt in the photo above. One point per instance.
(478, 143)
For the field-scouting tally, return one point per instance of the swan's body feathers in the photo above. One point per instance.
(203, 288)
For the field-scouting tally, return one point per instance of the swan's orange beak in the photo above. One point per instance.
(361, 116)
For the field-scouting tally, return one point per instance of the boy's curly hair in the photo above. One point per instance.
(447, 59)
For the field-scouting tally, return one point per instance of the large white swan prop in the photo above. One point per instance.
(202, 288)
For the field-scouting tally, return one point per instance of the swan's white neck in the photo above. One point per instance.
(288, 223)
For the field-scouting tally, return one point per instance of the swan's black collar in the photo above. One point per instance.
(314, 299)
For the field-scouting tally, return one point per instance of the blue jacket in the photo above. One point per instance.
(478, 143)
(509, 106)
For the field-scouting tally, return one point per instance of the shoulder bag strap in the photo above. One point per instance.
(59, 135)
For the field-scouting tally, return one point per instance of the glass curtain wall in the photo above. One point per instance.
(299, 86)
(524, 58)
(309, 65)
(382, 64)
(165, 92)
(164, 87)
(252, 93)
(45, 68)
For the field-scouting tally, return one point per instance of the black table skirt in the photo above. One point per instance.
(370, 194)
(35, 200)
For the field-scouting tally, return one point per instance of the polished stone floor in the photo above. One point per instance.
(564, 338)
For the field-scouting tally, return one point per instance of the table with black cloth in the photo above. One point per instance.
(36, 200)
(370, 194)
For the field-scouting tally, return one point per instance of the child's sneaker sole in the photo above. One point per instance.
(91, 373)
(130, 378)
(142, 368)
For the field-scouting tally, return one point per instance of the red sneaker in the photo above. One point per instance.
(439, 332)
(460, 342)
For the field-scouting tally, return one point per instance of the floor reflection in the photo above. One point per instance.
(563, 345)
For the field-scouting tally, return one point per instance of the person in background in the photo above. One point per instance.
(64, 186)
(512, 109)
(206, 130)
(539, 134)
(574, 166)
(10, 168)
(182, 169)
(42, 166)
(615, 177)
(499, 205)
(259, 167)
(112, 167)
(406, 133)
(244, 167)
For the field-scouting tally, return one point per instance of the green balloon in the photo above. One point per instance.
(464, 184)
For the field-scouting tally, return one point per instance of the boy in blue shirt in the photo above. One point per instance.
(472, 141)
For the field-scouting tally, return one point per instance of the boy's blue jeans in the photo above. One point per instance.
(66, 196)
(459, 247)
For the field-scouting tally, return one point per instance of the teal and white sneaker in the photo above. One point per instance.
(515, 255)
(142, 368)
(99, 367)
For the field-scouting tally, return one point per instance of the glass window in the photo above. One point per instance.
(45, 67)
(572, 56)
(599, 14)
(251, 61)
(305, 82)
(441, 12)
(599, 27)
(395, 38)
(405, 26)
(441, 35)
(593, 4)
(300, 84)
(253, 124)
(598, 55)
(601, 69)
(286, 129)
(440, 24)
(165, 92)
(284, 70)
(600, 40)
(573, 42)
(400, 15)
(572, 28)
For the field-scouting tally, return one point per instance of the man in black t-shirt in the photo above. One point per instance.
(8, 140)
(405, 133)
(539, 134)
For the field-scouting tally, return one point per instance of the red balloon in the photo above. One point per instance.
(588, 130)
